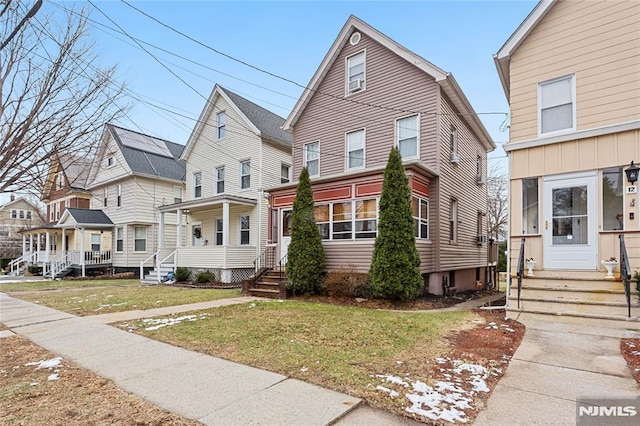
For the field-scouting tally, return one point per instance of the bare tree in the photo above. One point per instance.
(497, 203)
(54, 96)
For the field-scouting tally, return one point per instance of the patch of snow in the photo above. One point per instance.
(635, 353)
(394, 379)
(50, 363)
(441, 360)
(252, 305)
(304, 369)
(392, 393)
(399, 363)
(157, 323)
(53, 377)
(33, 384)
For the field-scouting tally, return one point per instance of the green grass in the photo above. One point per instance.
(334, 346)
(93, 301)
(62, 284)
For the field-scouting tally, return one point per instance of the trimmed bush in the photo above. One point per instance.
(204, 276)
(182, 274)
(305, 256)
(395, 272)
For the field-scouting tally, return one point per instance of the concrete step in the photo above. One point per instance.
(572, 283)
(569, 275)
(579, 306)
(570, 294)
(567, 317)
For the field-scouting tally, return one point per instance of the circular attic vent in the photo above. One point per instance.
(355, 38)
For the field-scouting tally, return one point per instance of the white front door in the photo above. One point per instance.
(196, 234)
(570, 222)
(285, 231)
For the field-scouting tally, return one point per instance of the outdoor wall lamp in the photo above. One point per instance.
(632, 173)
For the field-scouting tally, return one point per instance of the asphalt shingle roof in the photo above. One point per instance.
(76, 169)
(97, 217)
(269, 124)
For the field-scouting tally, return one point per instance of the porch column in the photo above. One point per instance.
(30, 246)
(179, 242)
(64, 240)
(225, 223)
(24, 244)
(82, 250)
(38, 249)
(47, 247)
(161, 232)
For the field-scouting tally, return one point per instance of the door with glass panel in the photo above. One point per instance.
(570, 222)
(285, 232)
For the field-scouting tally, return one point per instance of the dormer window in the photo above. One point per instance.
(356, 73)
(221, 124)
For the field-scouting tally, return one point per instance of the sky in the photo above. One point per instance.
(287, 39)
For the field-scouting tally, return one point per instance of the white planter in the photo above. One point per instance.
(530, 265)
(609, 265)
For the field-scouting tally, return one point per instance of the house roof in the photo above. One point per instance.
(260, 121)
(86, 216)
(502, 59)
(76, 169)
(444, 79)
(18, 200)
(149, 155)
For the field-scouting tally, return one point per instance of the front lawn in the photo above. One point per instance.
(117, 298)
(62, 284)
(342, 348)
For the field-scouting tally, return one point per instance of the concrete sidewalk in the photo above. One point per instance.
(555, 365)
(193, 385)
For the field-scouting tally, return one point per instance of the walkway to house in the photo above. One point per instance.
(555, 365)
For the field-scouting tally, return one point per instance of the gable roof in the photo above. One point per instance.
(76, 169)
(444, 79)
(502, 59)
(85, 217)
(261, 121)
(149, 155)
(18, 200)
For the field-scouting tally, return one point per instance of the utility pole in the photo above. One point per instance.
(29, 14)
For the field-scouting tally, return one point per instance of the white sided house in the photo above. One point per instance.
(236, 150)
(132, 175)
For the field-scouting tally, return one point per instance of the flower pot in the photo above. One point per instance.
(530, 265)
(609, 264)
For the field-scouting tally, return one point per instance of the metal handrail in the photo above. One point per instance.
(281, 266)
(266, 260)
(625, 273)
(520, 270)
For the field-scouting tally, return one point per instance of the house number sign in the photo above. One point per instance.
(632, 189)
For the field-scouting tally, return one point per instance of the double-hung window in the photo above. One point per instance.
(366, 224)
(420, 209)
(407, 136)
(245, 174)
(105, 195)
(197, 185)
(29, 215)
(221, 124)
(220, 180)
(453, 220)
(219, 231)
(342, 223)
(312, 158)
(356, 72)
(140, 241)
(95, 242)
(59, 180)
(14, 214)
(119, 239)
(322, 217)
(177, 194)
(355, 149)
(119, 196)
(244, 229)
(556, 105)
(285, 173)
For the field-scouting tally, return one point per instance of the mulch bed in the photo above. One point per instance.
(630, 349)
(220, 286)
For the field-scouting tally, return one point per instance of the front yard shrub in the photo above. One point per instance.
(34, 269)
(204, 276)
(182, 274)
(395, 272)
(346, 281)
(305, 256)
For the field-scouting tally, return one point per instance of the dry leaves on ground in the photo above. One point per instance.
(630, 349)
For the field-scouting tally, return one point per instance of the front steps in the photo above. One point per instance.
(271, 285)
(574, 297)
(152, 277)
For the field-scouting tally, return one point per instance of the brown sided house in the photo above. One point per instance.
(368, 95)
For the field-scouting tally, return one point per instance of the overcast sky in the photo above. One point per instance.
(287, 39)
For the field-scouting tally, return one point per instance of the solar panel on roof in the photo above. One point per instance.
(143, 143)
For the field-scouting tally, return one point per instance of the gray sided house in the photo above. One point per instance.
(237, 149)
(368, 95)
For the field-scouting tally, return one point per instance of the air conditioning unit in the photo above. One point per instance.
(481, 179)
(482, 239)
(455, 158)
(356, 85)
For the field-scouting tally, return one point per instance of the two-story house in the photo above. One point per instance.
(131, 176)
(368, 95)
(571, 74)
(236, 150)
(17, 216)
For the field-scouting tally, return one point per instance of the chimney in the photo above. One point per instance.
(13, 197)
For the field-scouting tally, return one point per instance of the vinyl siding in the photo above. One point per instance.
(600, 43)
(391, 82)
(459, 181)
(100, 173)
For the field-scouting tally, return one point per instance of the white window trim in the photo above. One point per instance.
(218, 125)
(105, 197)
(288, 172)
(573, 104)
(364, 149)
(224, 180)
(221, 232)
(113, 163)
(241, 175)
(397, 135)
(240, 229)
(539, 195)
(146, 239)
(194, 185)
(306, 160)
(119, 196)
(346, 73)
(420, 218)
(454, 218)
(119, 239)
(174, 193)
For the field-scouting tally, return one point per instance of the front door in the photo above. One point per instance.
(196, 234)
(285, 232)
(570, 222)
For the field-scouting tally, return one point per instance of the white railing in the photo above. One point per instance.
(59, 264)
(173, 254)
(142, 262)
(97, 257)
(15, 263)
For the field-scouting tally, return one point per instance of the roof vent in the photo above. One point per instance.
(355, 38)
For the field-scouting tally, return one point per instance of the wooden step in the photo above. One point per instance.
(267, 285)
(267, 293)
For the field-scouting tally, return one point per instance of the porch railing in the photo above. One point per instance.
(266, 260)
(520, 270)
(15, 264)
(282, 267)
(97, 257)
(154, 256)
(625, 273)
(59, 264)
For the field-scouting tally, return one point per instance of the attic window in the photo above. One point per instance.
(356, 72)
(221, 124)
(59, 180)
(111, 160)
